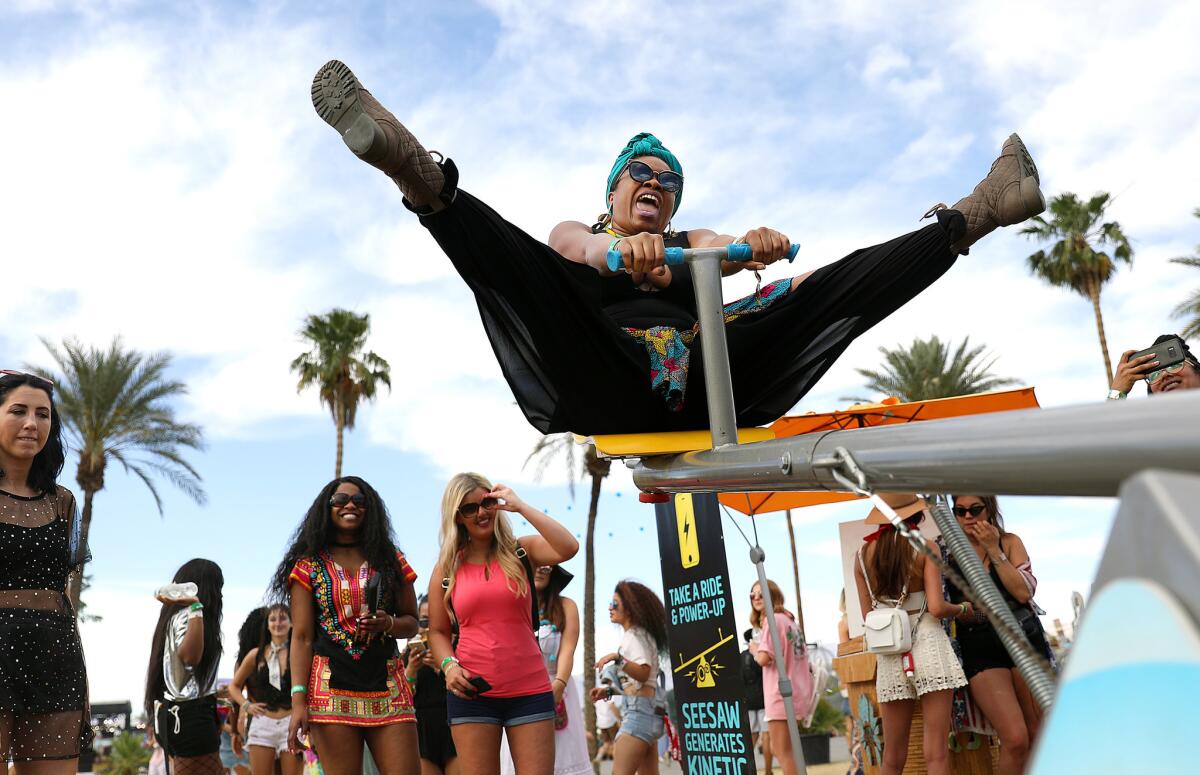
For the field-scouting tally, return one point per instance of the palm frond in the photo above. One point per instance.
(117, 403)
(927, 369)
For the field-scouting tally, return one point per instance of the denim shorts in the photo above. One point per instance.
(502, 711)
(641, 717)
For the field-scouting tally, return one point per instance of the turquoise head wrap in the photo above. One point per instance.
(644, 144)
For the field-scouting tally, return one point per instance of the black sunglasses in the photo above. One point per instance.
(974, 511)
(641, 172)
(471, 509)
(342, 498)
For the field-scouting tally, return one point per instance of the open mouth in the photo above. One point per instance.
(648, 204)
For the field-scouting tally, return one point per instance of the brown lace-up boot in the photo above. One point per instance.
(377, 137)
(1009, 194)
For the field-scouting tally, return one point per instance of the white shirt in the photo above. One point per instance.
(638, 647)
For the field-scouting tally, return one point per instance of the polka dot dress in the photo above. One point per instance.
(43, 685)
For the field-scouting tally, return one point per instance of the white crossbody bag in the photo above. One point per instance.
(886, 629)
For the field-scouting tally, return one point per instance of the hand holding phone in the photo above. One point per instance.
(1149, 363)
(480, 683)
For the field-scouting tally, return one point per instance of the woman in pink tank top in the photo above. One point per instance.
(481, 626)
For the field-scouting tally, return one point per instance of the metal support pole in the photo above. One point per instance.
(757, 556)
(1041, 683)
(1088, 449)
(706, 280)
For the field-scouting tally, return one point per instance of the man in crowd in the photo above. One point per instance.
(1181, 376)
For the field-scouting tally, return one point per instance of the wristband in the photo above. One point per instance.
(196, 606)
(448, 661)
(962, 609)
(411, 681)
(299, 689)
(556, 678)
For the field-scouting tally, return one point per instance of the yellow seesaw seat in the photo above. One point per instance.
(619, 445)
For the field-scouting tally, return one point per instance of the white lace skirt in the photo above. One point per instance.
(934, 665)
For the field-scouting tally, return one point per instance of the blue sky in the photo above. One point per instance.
(168, 182)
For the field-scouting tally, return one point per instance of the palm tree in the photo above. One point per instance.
(927, 370)
(115, 405)
(564, 446)
(1189, 308)
(1077, 260)
(338, 367)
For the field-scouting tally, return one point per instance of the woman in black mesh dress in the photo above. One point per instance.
(43, 686)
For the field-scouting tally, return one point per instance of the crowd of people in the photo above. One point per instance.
(484, 684)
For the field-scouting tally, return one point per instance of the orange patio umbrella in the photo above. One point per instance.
(889, 411)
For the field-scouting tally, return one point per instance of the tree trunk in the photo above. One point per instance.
(796, 572)
(337, 468)
(1094, 295)
(589, 619)
(75, 582)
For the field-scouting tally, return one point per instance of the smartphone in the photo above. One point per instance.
(1168, 352)
(371, 592)
(480, 683)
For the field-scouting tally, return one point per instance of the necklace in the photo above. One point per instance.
(345, 544)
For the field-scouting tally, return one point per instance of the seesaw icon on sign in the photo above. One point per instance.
(685, 522)
(705, 673)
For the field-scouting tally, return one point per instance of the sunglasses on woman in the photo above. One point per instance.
(342, 498)
(1158, 374)
(14, 373)
(668, 179)
(471, 509)
(974, 511)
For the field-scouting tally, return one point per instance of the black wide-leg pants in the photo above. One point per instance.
(572, 368)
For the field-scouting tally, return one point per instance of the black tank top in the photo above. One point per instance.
(673, 306)
(262, 691)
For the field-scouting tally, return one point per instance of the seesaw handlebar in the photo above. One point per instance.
(676, 256)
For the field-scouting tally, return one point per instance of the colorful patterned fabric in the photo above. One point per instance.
(329, 705)
(340, 596)
(670, 349)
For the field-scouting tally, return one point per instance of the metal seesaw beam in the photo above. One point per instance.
(1087, 449)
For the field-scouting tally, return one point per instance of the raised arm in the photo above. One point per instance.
(553, 544)
(1012, 548)
(191, 650)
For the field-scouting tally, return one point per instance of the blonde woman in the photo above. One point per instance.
(496, 680)
(795, 666)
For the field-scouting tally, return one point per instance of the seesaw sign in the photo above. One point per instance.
(710, 699)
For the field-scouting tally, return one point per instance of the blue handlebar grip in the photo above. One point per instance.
(673, 256)
(740, 251)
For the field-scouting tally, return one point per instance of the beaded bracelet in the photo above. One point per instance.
(448, 661)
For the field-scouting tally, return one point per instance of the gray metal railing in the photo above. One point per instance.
(1088, 450)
